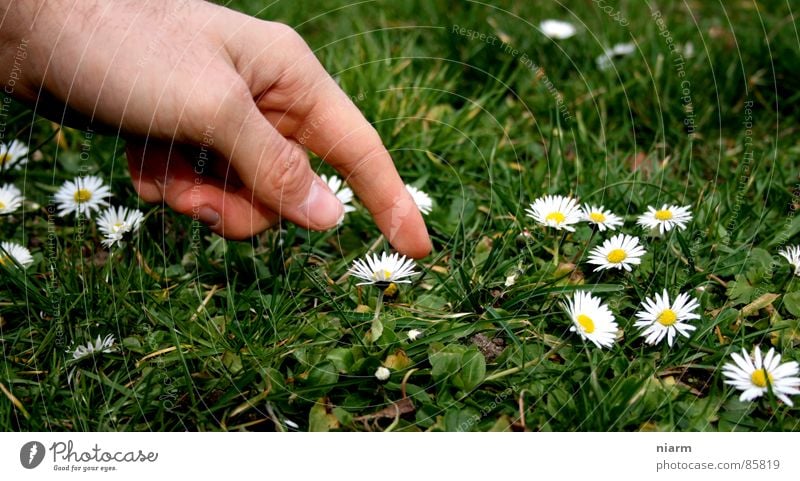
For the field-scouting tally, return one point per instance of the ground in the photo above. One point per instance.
(486, 114)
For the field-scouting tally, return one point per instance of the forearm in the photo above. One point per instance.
(17, 20)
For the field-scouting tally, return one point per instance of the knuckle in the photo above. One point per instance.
(360, 165)
(287, 36)
(288, 177)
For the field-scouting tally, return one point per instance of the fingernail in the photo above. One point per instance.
(321, 206)
(208, 216)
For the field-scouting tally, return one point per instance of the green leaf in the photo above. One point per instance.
(446, 362)
(376, 330)
(457, 420)
(472, 372)
(792, 303)
(759, 257)
(320, 420)
(232, 362)
(342, 359)
(740, 291)
(323, 374)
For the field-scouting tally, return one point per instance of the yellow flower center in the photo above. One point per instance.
(82, 195)
(597, 217)
(116, 227)
(616, 256)
(760, 376)
(586, 323)
(382, 275)
(2, 205)
(556, 217)
(667, 317)
(3, 259)
(663, 215)
(4, 158)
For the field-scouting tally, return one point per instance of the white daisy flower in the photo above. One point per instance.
(382, 373)
(17, 252)
(82, 196)
(602, 218)
(605, 59)
(665, 218)
(557, 29)
(414, 334)
(423, 200)
(757, 378)
(340, 189)
(13, 155)
(623, 49)
(591, 319)
(383, 270)
(10, 199)
(555, 211)
(792, 255)
(620, 252)
(115, 222)
(660, 318)
(104, 345)
(688, 50)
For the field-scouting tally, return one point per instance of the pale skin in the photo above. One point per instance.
(189, 83)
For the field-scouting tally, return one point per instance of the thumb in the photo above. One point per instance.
(275, 169)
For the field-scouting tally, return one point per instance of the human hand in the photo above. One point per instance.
(191, 83)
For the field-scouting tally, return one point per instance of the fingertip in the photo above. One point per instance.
(405, 228)
(416, 248)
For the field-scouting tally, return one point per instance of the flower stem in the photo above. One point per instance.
(378, 304)
(555, 252)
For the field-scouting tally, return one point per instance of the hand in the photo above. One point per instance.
(191, 83)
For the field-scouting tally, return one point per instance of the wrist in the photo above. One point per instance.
(24, 40)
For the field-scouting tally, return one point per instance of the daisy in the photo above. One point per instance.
(591, 319)
(115, 222)
(622, 49)
(13, 155)
(82, 196)
(688, 50)
(555, 211)
(104, 345)
(665, 218)
(792, 255)
(20, 254)
(660, 318)
(414, 334)
(604, 60)
(557, 29)
(757, 378)
(602, 218)
(10, 199)
(618, 252)
(423, 200)
(383, 270)
(342, 192)
(382, 373)
(91, 349)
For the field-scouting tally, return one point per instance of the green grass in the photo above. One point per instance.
(218, 335)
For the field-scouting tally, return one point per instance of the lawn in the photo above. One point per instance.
(486, 114)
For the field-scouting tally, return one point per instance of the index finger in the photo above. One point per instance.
(336, 131)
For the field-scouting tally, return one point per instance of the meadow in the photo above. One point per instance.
(687, 104)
